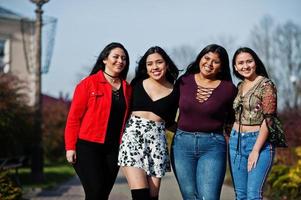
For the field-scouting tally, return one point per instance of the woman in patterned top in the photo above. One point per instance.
(251, 154)
(143, 152)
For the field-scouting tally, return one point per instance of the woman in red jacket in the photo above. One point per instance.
(96, 118)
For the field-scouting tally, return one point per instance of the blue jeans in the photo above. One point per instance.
(199, 163)
(248, 185)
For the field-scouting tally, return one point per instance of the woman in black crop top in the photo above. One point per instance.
(143, 152)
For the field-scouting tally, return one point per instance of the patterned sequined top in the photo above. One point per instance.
(259, 103)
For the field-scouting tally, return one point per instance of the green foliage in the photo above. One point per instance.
(16, 121)
(292, 126)
(54, 119)
(8, 189)
(54, 175)
(15, 117)
(169, 137)
(284, 181)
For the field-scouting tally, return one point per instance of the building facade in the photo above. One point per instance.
(16, 57)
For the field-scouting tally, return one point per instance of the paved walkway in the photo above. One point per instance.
(72, 190)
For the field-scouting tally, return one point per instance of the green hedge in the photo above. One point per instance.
(9, 190)
(284, 182)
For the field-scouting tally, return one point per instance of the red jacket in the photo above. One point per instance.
(90, 110)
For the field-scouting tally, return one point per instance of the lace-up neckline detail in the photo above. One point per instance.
(203, 93)
(204, 89)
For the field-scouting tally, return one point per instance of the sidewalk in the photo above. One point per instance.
(72, 190)
(169, 189)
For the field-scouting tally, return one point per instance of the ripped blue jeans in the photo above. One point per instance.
(249, 185)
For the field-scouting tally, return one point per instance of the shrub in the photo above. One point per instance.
(8, 189)
(15, 117)
(292, 126)
(284, 182)
(55, 113)
(15, 128)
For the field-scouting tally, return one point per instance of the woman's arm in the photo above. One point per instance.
(269, 107)
(76, 112)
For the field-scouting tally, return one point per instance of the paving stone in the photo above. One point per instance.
(73, 190)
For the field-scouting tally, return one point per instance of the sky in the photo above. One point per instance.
(85, 27)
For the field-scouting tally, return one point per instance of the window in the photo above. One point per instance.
(4, 55)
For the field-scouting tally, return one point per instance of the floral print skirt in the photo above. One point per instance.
(144, 146)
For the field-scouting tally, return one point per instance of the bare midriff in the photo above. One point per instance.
(246, 128)
(148, 115)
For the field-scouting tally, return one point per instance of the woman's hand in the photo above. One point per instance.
(71, 156)
(252, 160)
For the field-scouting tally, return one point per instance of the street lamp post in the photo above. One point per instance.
(37, 151)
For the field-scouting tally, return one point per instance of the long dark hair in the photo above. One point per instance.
(224, 74)
(99, 65)
(141, 71)
(260, 68)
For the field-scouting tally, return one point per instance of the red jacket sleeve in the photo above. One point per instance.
(76, 113)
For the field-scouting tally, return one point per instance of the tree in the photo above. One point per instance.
(279, 46)
(15, 117)
(55, 113)
(262, 41)
(226, 41)
(183, 55)
(287, 39)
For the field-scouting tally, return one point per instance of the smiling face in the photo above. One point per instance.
(210, 65)
(156, 66)
(245, 65)
(115, 62)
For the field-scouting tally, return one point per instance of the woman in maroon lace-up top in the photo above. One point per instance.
(199, 147)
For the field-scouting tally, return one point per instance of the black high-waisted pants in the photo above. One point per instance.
(96, 167)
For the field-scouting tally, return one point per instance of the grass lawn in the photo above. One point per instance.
(53, 175)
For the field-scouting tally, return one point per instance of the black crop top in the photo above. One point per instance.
(166, 107)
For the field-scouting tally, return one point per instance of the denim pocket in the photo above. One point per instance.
(233, 141)
(219, 138)
(179, 133)
(181, 141)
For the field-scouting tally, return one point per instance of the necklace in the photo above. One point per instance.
(112, 79)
